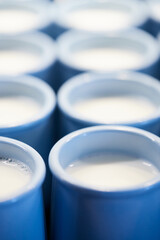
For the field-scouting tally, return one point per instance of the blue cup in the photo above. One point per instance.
(25, 12)
(85, 212)
(39, 132)
(36, 44)
(136, 12)
(136, 41)
(22, 216)
(91, 86)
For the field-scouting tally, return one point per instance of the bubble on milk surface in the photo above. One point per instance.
(15, 163)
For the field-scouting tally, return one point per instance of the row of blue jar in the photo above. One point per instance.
(58, 67)
(54, 122)
(41, 133)
(56, 58)
(53, 16)
(57, 62)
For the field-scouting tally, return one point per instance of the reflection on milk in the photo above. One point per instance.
(14, 20)
(115, 109)
(107, 59)
(94, 19)
(17, 110)
(17, 61)
(112, 171)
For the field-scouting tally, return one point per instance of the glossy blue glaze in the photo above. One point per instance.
(136, 40)
(90, 85)
(138, 13)
(22, 216)
(81, 212)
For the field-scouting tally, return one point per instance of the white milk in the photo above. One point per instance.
(155, 10)
(14, 62)
(15, 110)
(115, 109)
(14, 176)
(98, 19)
(107, 59)
(17, 20)
(109, 171)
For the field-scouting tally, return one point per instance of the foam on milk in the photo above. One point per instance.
(112, 170)
(115, 109)
(107, 59)
(98, 19)
(14, 20)
(13, 62)
(15, 110)
(14, 176)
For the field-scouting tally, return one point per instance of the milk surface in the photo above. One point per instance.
(15, 110)
(14, 20)
(14, 176)
(115, 109)
(111, 170)
(107, 59)
(13, 62)
(99, 19)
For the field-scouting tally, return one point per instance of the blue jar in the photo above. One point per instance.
(22, 215)
(86, 212)
(37, 48)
